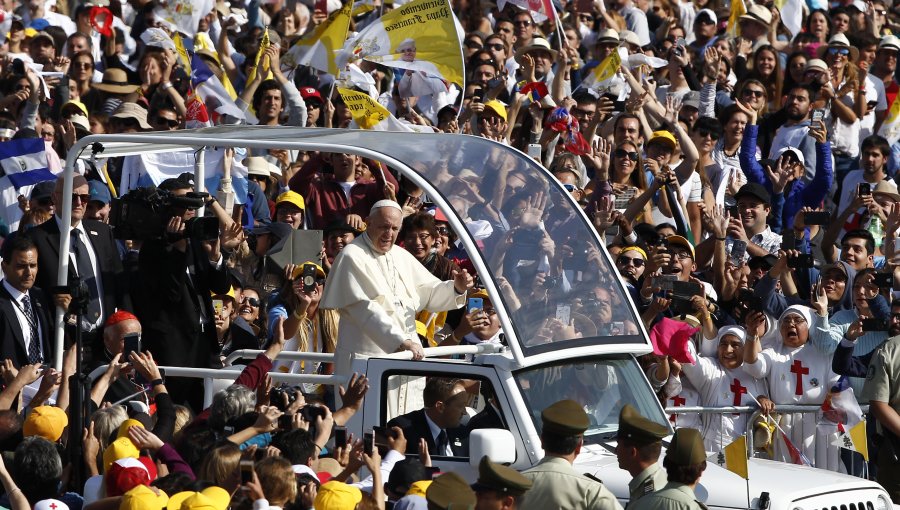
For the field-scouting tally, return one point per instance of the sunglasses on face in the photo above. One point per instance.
(442, 231)
(495, 46)
(252, 301)
(570, 187)
(636, 262)
(167, 122)
(839, 51)
(703, 133)
(754, 93)
(473, 45)
(522, 23)
(622, 153)
(83, 197)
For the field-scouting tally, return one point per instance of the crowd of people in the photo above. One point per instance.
(737, 163)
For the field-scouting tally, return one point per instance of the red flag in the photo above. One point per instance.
(670, 338)
(797, 456)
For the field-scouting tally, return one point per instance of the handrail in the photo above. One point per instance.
(754, 412)
(283, 355)
(450, 350)
(225, 373)
(779, 408)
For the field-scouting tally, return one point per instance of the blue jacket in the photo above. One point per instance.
(801, 193)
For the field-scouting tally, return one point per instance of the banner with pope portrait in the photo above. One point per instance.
(419, 36)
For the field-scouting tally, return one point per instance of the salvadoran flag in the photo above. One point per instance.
(152, 169)
(24, 161)
(213, 93)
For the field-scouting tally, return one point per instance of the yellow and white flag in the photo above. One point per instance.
(736, 457)
(605, 71)
(420, 36)
(369, 114)
(181, 53)
(263, 46)
(854, 439)
(183, 15)
(738, 9)
(319, 49)
(890, 129)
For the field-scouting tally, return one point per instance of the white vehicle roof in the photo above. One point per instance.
(433, 162)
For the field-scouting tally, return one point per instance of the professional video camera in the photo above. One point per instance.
(143, 213)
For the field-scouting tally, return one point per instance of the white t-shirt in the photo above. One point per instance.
(848, 189)
(844, 137)
(874, 93)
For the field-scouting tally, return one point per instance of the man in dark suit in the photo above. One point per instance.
(438, 423)
(25, 324)
(489, 417)
(93, 257)
(173, 295)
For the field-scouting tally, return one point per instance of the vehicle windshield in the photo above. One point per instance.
(602, 385)
(541, 252)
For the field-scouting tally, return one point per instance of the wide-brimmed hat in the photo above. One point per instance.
(885, 188)
(607, 35)
(133, 111)
(839, 41)
(889, 42)
(115, 81)
(758, 13)
(537, 43)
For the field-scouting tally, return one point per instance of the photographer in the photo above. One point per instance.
(177, 276)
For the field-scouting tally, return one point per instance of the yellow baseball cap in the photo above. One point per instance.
(336, 495)
(291, 197)
(498, 108)
(299, 270)
(664, 137)
(47, 422)
(143, 498)
(119, 449)
(127, 424)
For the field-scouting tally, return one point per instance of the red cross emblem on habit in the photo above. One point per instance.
(677, 401)
(738, 390)
(800, 370)
(53, 506)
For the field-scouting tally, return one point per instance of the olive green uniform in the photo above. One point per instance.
(883, 385)
(674, 496)
(646, 482)
(557, 486)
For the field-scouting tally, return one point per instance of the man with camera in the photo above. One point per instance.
(93, 259)
(178, 274)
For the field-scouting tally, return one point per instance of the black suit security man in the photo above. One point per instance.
(439, 422)
(93, 257)
(25, 322)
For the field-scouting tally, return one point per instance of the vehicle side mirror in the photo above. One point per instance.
(498, 444)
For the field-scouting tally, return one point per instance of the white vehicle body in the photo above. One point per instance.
(531, 372)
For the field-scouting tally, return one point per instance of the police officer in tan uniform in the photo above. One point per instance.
(638, 448)
(882, 390)
(499, 487)
(556, 483)
(685, 461)
(450, 492)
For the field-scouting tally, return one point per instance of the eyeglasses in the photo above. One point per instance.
(585, 17)
(421, 237)
(442, 231)
(578, 112)
(839, 51)
(622, 153)
(495, 46)
(522, 23)
(473, 45)
(754, 93)
(792, 320)
(570, 187)
(634, 261)
(83, 197)
(84, 65)
(252, 301)
(681, 255)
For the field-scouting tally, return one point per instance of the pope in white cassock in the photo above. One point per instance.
(378, 288)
